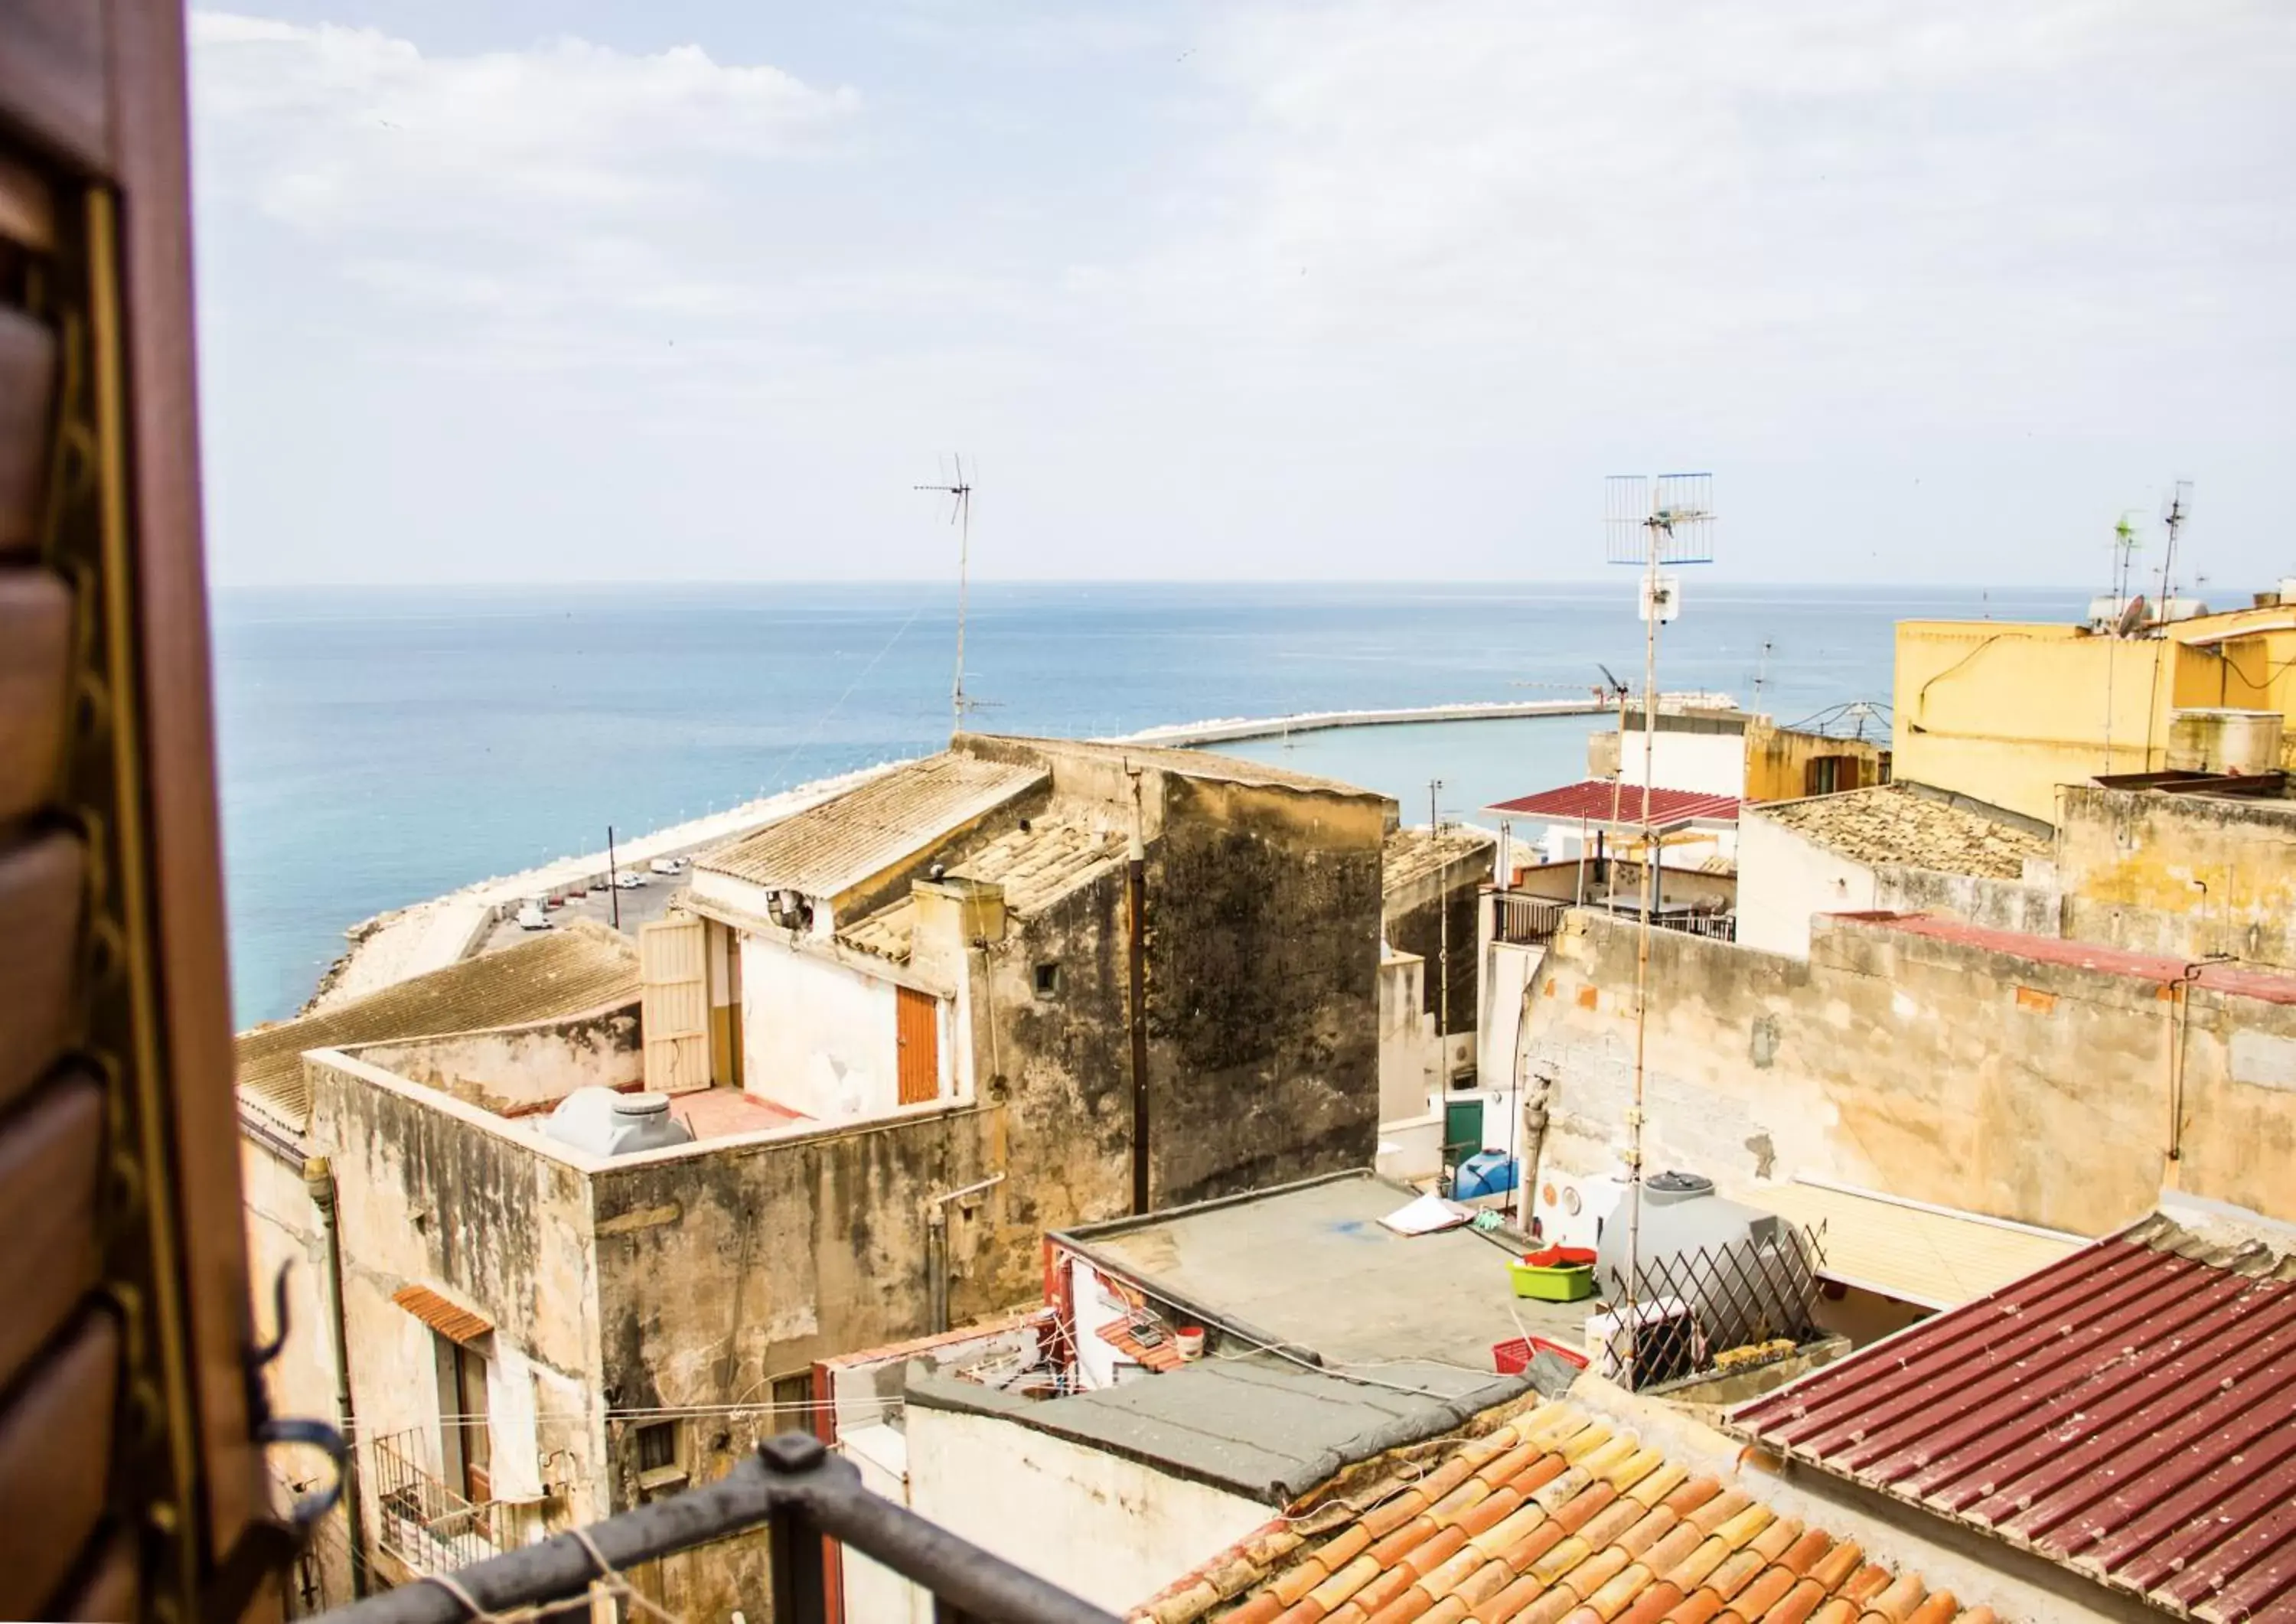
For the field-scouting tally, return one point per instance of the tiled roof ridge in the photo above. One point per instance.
(1549, 1516)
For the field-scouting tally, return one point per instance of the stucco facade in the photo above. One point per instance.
(1954, 1071)
(2183, 874)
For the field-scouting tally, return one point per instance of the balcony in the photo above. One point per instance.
(420, 1520)
(803, 1496)
(1524, 920)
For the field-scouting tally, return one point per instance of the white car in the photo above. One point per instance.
(628, 879)
(530, 916)
(667, 865)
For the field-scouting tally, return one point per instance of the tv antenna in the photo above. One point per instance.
(2125, 542)
(1762, 671)
(2175, 508)
(1651, 523)
(959, 491)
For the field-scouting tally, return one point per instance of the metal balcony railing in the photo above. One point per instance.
(423, 1522)
(803, 1496)
(1524, 920)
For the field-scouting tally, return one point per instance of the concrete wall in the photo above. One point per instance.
(1784, 877)
(1408, 1054)
(1930, 1069)
(2029, 909)
(2008, 711)
(1778, 759)
(435, 1193)
(1264, 908)
(1112, 1531)
(1710, 759)
(819, 1035)
(1509, 971)
(514, 1068)
(1418, 918)
(2179, 874)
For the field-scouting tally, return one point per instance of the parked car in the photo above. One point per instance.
(630, 880)
(530, 916)
(668, 865)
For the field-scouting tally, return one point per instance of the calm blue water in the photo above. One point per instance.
(380, 746)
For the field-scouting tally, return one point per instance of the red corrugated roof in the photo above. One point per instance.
(1595, 800)
(2130, 1412)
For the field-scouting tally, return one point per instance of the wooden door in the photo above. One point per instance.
(918, 1027)
(674, 1008)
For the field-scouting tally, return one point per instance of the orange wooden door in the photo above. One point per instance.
(918, 1027)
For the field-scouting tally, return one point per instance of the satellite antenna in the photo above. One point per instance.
(959, 491)
(1651, 523)
(2175, 508)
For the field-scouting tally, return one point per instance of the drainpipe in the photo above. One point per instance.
(319, 1182)
(1136, 895)
(2180, 1026)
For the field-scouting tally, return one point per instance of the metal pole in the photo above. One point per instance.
(1443, 927)
(1643, 943)
(613, 879)
(319, 1184)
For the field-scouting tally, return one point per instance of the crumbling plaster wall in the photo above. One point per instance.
(2185, 875)
(1932, 1069)
(514, 1068)
(1414, 917)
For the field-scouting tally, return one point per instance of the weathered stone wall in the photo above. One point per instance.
(1264, 920)
(516, 1067)
(431, 1192)
(1414, 917)
(720, 1270)
(1931, 1068)
(1998, 905)
(2185, 875)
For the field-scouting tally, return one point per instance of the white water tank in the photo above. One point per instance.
(605, 1122)
(1743, 1271)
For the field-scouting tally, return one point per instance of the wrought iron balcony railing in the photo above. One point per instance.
(804, 1496)
(422, 1521)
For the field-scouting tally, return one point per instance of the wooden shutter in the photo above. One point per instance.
(122, 1252)
(674, 1013)
(917, 1026)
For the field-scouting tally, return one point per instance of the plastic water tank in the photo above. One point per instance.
(1742, 1269)
(1484, 1173)
(607, 1123)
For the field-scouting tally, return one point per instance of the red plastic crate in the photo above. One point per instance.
(1513, 1356)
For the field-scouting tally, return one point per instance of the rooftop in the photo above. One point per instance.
(1310, 1267)
(1415, 854)
(574, 969)
(828, 849)
(1543, 1512)
(1262, 1426)
(1037, 866)
(1908, 1250)
(2128, 1412)
(1893, 822)
(2268, 985)
(1614, 803)
(1186, 763)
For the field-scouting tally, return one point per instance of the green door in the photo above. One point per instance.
(1462, 1129)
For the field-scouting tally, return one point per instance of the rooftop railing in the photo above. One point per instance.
(804, 1496)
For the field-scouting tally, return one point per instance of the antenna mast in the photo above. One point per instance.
(1650, 521)
(2177, 509)
(960, 514)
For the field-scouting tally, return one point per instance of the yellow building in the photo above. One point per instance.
(2007, 710)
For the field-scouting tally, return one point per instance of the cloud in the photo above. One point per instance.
(345, 131)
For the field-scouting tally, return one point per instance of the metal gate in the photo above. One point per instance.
(674, 982)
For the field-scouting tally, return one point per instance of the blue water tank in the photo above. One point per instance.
(1484, 1173)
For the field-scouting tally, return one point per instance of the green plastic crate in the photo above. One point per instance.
(1570, 1282)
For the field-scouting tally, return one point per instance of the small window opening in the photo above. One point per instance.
(1049, 979)
(657, 1446)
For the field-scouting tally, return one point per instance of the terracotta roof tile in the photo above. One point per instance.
(1500, 1530)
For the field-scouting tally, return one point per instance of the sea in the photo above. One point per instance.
(380, 746)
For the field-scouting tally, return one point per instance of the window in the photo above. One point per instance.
(793, 1403)
(1049, 979)
(657, 1446)
(466, 1445)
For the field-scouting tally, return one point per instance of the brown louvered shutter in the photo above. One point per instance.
(127, 1473)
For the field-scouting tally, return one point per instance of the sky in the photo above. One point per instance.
(505, 290)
